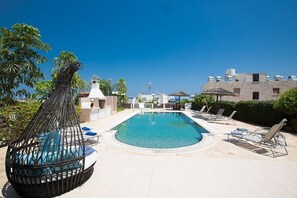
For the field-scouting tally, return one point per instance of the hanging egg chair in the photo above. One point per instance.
(50, 158)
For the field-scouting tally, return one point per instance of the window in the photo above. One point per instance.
(255, 77)
(275, 91)
(255, 95)
(236, 91)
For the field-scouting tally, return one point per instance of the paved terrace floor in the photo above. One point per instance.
(222, 169)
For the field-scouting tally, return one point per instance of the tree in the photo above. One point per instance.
(287, 103)
(20, 53)
(201, 100)
(106, 87)
(122, 91)
(43, 89)
(78, 84)
(204, 99)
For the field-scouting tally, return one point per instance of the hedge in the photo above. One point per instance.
(259, 112)
(18, 117)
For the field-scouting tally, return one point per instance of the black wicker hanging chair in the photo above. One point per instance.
(50, 157)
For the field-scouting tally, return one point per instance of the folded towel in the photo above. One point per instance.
(91, 133)
(88, 150)
(236, 133)
(85, 128)
(242, 129)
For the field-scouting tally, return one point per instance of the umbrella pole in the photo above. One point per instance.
(218, 106)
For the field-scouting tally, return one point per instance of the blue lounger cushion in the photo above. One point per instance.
(236, 133)
(88, 150)
(91, 133)
(242, 129)
(85, 128)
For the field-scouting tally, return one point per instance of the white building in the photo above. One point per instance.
(158, 98)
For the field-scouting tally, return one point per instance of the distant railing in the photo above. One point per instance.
(156, 106)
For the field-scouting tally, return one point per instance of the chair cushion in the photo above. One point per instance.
(242, 129)
(89, 150)
(85, 128)
(50, 158)
(236, 133)
(91, 133)
(50, 141)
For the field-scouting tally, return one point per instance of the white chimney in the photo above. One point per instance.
(95, 91)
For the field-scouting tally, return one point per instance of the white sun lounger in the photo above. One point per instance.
(217, 116)
(271, 139)
(200, 111)
(223, 120)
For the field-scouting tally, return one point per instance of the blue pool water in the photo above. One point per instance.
(159, 130)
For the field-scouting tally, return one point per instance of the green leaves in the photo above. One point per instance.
(65, 57)
(20, 50)
(287, 102)
(201, 100)
(122, 90)
(43, 89)
(17, 118)
(121, 86)
(106, 87)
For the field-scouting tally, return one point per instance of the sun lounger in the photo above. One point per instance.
(217, 116)
(223, 120)
(207, 110)
(279, 135)
(91, 138)
(200, 111)
(271, 139)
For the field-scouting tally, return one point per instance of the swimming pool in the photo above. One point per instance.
(159, 130)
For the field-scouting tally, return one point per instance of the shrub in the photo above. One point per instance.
(183, 101)
(258, 112)
(17, 118)
(120, 108)
(287, 103)
(201, 100)
(77, 110)
(229, 107)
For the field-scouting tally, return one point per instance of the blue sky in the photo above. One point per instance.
(174, 44)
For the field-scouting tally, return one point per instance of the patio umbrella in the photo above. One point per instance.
(218, 92)
(179, 94)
